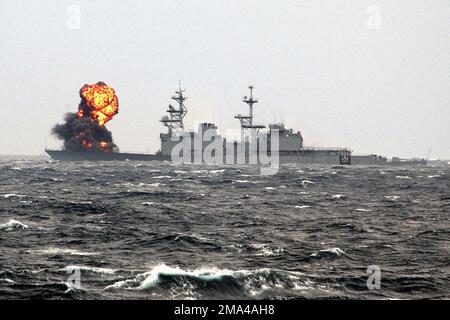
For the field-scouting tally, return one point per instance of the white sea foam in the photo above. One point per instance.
(305, 183)
(403, 177)
(254, 282)
(270, 188)
(63, 251)
(217, 171)
(13, 225)
(13, 195)
(338, 196)
(267, 251)
(7, 280)
(150, 279)
(363, 210)
(241, 181)
(392, 198)
(302, 207)
(336, 251)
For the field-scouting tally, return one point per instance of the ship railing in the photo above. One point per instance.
(367, 155)
(120, 151)
(326, 149)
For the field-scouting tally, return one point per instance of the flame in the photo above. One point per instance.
(102, 100)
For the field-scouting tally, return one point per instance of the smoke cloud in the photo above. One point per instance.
(85, 130)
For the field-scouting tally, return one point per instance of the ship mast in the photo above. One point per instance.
(176, 115)
(247, 124)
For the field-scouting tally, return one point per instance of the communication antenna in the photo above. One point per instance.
(174, 120)
(247, 125)
(428, 156)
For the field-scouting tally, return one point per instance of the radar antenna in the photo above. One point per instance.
(247, 124)
(174, 121)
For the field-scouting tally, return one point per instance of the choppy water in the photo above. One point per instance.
(158, 231)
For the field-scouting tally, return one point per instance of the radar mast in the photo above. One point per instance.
(247, 122)
(174, 121)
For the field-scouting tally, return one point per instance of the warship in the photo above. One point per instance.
(290, 147)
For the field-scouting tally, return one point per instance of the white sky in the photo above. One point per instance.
(341, 83)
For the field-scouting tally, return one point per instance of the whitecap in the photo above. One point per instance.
(63, 251)
(150, 279)
(270, 188)
(13, 225)
(338, 196)
(392, 198)
(305, 183)
(363, 210)
(7, 280)
(241, 181)
(13, 195)
(266, 251)
(336, 251)
(302, 207)
(217, 171)
(403, 177)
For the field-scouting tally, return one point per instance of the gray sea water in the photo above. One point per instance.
(159, 231)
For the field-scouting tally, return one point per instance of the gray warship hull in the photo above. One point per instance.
(325, 157)
(62, 155)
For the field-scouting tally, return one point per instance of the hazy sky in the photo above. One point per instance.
(370, 75)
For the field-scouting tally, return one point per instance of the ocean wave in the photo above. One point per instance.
(327, 253)
(392, 198)
(148, 203)
(13, 225)
(338, 196)
(302, 207)
(13, 195)
(210, 282)
(305, 183)
(7, 281)
(257, 249)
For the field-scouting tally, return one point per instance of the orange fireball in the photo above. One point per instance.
(102, 100)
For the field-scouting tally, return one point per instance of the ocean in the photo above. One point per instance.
(130, 230)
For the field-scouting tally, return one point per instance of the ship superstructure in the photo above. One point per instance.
(289, 147)
(173, 121)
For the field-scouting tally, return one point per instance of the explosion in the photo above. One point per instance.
(101, 101)
(85, 130)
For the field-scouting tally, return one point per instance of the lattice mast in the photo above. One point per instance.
(174, 121)
(247, 122)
